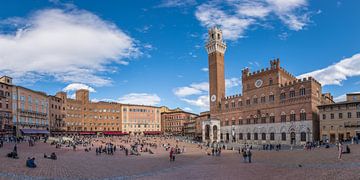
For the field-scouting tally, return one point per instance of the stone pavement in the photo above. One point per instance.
(194, 164)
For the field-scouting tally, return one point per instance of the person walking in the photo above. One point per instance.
(244, 154)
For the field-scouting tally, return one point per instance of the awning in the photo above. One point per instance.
(115, 133)
(34, 131)
(152, 132)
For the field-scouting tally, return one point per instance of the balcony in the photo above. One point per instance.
(33, 113)
(351, 125)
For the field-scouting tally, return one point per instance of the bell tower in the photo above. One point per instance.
(215, 48)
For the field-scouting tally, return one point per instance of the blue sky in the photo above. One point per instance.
(152, 52)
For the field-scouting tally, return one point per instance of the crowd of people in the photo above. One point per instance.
(139, 145)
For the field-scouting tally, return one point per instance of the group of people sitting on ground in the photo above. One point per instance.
(52, 156)
(13, 154)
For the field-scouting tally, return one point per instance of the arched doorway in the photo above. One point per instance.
(207, 132)
(215, 132)
(292, 138)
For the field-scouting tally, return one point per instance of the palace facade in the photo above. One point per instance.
(274, 106)
(340, 121)
(85, 117)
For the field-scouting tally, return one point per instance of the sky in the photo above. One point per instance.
(152, 52)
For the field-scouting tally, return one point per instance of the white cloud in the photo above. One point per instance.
(202, 90)
(253, 9)
(77, 86)
(177, 3)
(140, 98)
(67, 45)
(235, 17)
(205, 69)
(338, 72)
(193, 89)
(202, 102)
(233, 27)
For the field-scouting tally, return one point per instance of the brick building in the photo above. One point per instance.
(340, 121)
(174, 121)
(274, 107)
(30, 111)
(6, 125)
(56, 114)
(85, 117)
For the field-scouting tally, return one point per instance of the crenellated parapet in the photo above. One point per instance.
(299, 81)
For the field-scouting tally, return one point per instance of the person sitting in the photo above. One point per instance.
(30, 162)
(52, 156)
(13, 155)
(347, 150)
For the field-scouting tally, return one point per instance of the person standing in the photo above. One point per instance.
(244, 154)
(340, 150)
(248, 153)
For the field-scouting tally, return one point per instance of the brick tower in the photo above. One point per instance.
(216, 49)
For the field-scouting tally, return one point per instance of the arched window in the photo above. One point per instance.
(255, 136)
(283, 117)
(282, 96)
(270, 81)
(303, 136)
(292, 116)
(302, 91)
(283, 136)
(292, 93)
(263, 119)
(272, 118)
(255, 119)
(302, 115)
(272, 136)
(248, 136)
(263, 136)
(241, 136)
(271, 97)
(240, 103)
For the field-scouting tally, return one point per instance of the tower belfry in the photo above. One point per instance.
(216, 48)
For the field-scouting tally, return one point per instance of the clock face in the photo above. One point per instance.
(258, 83)
(213, 98)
